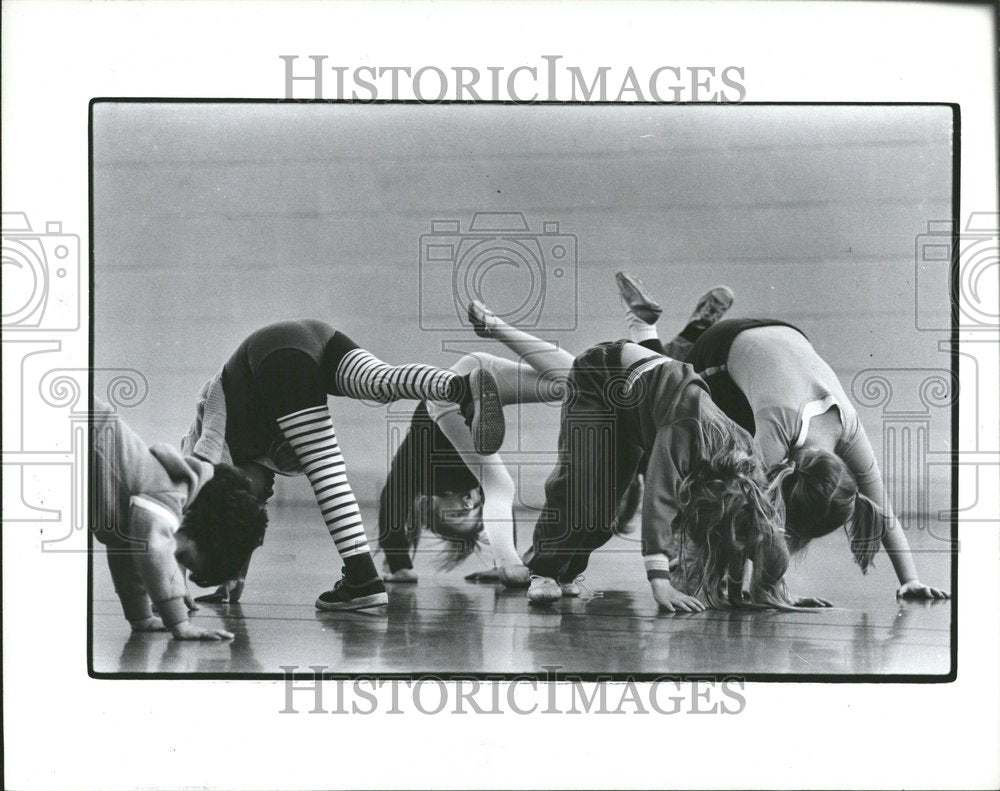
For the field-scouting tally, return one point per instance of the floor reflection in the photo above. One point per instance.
(446, 625)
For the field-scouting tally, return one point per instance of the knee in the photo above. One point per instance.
(473, 361)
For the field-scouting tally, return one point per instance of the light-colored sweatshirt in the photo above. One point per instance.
(138, 495)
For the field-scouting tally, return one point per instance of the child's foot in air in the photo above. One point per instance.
(484, 321)
(712, 305)
(479, 401)
(637, 298)
(354, 596)
(544, 590)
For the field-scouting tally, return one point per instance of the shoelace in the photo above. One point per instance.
(587, 593)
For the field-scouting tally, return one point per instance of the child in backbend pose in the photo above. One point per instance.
(267, 411)
(705, 512)
(157, 512)
(768, 378)
(438, 482)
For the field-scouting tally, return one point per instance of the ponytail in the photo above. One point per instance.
(865, 531)
(777, 478)
(426, 515)
(815, 493)
(780, 479)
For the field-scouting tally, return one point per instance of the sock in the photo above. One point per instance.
(638, 330)
(363, 376)
(359, 568)
(310, 433)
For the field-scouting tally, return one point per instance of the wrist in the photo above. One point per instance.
(136, 608)
(657, 567)
(173, 611)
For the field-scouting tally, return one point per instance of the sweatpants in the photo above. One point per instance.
(599, 454)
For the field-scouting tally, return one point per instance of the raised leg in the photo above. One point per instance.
(642, 312)
(356, 373)
(549, 360)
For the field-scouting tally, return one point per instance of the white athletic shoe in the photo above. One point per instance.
(576, 589)
(544, 590)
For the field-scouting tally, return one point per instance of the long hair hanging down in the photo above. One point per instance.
(458, 546)
(725, 518)
(815, 493)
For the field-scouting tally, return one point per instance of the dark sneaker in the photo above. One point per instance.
(633, 291)
(712, 306)
(347, 596)
(483, 412)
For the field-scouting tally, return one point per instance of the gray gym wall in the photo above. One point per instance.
(213, 220)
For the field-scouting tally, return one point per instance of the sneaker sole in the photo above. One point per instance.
(726, 303)
(362, 603)
(639, 302)
(488, 425)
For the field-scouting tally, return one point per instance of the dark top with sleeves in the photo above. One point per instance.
(426, 463)
(671, 407)
(278, 370)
